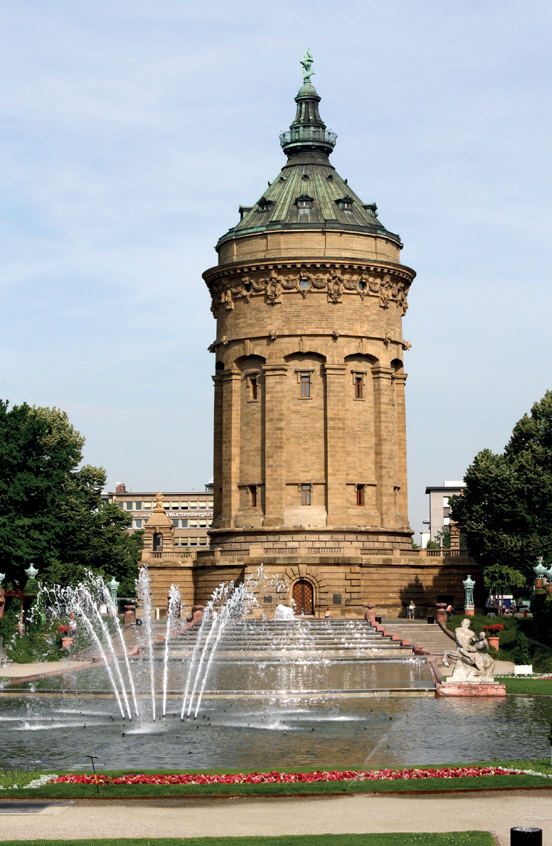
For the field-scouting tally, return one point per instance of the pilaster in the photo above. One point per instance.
(217, 451)
(274, 446)
(231, 384)
(384, 426)
(400, 411)
(335, 433)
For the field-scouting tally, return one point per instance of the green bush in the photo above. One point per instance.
(521, 654)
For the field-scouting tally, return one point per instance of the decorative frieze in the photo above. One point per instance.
(389, 287)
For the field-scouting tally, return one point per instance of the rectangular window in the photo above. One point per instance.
(337, 599)
(192, 506)
(360, 494)
(202, 505)
(183, 524)
(184, 506)
(203, 541)
(306, 494)
(254, 387)
(128, 506)
(305, 385)
(147, 506)
(210, 506)
(253, 492)
(358, 387)
(177, 541)
(193, 524)
(203, 524)
(175, 523)
(138, 506)
(193, 541)
(138, 524)
(183, 541)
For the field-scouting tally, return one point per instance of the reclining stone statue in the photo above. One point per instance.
(473, 664)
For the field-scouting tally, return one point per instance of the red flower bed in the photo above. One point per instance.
(286, 778)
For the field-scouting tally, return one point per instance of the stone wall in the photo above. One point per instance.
(344, 584)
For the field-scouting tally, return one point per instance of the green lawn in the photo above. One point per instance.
(452, 838)
(523, 684)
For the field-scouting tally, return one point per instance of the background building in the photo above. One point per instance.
(191, 512)
(439, 508)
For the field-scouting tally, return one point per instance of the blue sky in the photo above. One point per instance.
(132, 131)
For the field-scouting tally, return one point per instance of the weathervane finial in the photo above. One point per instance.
(306, 63)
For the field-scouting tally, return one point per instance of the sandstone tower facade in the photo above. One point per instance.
(309, 430)
(309, 435)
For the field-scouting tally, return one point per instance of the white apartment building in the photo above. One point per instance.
(190, 511)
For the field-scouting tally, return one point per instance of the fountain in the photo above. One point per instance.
(332, 692)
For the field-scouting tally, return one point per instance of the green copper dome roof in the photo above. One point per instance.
(308, 193)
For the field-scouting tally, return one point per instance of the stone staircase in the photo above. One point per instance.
(426, 638)
(299, 638)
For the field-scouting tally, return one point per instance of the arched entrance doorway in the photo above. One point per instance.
(303, 597)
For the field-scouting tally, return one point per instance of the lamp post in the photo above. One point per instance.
(540, 573)
(469, 607)
(31, 571)
(113, 585)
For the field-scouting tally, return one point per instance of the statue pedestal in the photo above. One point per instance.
(470, 689)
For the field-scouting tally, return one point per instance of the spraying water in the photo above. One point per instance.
(172, 615)
(111, 605)
(144, 596)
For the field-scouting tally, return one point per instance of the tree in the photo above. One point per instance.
(51, 511)
(505, 510)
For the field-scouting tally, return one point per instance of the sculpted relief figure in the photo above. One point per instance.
(334, 288)
(473, 663)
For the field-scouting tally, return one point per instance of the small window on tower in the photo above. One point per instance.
(253, 494)
(360, 494)
(358, 387)
(306, 491)
(254, 387)
(305, 385)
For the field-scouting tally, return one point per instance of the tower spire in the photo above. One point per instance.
(308, 131)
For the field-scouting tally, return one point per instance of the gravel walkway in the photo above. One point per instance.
(240, 816)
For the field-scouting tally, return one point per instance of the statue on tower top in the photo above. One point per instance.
(306, 63)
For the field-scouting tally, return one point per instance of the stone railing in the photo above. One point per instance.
(169, 554)
(446, 553)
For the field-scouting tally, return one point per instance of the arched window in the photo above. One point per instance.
(157, 542)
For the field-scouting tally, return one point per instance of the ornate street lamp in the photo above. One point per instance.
(540, 573)
(469, 607)
(113, 585)
(31, 571)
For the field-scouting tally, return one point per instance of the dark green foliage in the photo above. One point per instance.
(541, 606)
(51, 510)
(505, 510)
(521, 654)
(8, 623)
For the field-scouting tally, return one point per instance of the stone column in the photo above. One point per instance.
(334, 421)
(231, 389)
(400, 411)
(217, 453)
(384, 428)
(274, 446)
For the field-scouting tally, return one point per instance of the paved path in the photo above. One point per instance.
(240, 816)
(46, 668)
